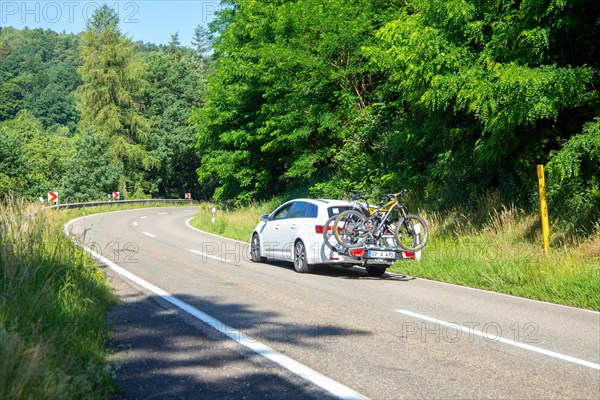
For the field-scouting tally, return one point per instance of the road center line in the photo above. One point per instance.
(149, 234)
(209, 256)
(524, 346)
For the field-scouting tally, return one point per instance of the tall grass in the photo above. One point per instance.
(235, 224)
(488, 245)
(499, 247)
(53, 302)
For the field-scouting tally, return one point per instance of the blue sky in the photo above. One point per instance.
(148, 20)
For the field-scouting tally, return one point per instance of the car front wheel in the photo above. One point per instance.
(255, 250)
(300, 258)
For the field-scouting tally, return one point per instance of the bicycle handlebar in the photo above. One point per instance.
(393, 196)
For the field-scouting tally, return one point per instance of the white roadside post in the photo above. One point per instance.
(417, 229)
(214, 210)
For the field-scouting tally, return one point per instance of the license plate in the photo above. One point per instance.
(381, 254)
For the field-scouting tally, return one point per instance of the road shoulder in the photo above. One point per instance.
(160, 353)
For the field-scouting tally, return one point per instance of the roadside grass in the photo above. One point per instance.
(505, 254)
(235, 224)
(53, 303)
(491, 246)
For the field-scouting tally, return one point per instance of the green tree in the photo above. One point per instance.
(93, 168)
(489, 87)
(111, 93)
(201, 41)
(12, 160)
(32, 159)
(11, 100)
(291, 106)
(38, 72)
(176, 85)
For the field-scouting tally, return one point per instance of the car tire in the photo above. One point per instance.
(376, 270)
(300, 258)
(255, 250)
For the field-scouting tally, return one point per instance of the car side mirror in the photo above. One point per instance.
(264, 218)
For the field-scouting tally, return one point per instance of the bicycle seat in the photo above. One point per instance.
(358, 196)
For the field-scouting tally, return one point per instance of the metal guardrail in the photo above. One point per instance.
(118, 202)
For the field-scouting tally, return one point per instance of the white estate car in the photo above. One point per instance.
(294, 232)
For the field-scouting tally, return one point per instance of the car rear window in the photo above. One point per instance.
(311, 211)
(336, 210)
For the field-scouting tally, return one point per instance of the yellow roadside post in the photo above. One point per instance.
(544, 208)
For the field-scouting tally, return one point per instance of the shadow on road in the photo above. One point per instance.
(345, 273)
(160, 352)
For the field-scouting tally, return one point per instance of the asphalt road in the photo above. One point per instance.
(393, 337)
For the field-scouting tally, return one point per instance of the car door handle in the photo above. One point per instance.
(277, 226)
(293, 226)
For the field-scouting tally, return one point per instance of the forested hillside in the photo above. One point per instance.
(448, 98)
(93, 113)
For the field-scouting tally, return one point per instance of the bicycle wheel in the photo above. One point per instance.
(328, 236)
(412, 233)
(349, 229)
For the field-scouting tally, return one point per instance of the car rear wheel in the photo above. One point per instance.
(300, 258)
(255, 250)
(376, 270)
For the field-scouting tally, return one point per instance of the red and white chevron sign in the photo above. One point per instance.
(116, 195)
(188, 196)
(52, 197)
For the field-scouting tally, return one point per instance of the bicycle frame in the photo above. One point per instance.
(383, 213)
(378, 229)
(357, 205)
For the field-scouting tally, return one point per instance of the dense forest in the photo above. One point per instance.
(448, 98)
(93, 113)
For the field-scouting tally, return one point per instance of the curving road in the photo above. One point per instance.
(348, 334)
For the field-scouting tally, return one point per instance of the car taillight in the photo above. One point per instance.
(321, 228)
(408, 254)
(357, 252)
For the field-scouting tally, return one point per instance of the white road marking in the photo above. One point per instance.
(208, 255)
(162, 213)
(307, 373)
(134, 223)
(524, 346)
(149, 234)
(144, 216)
